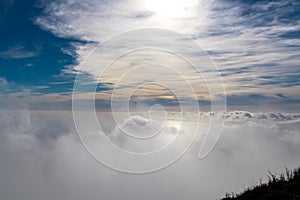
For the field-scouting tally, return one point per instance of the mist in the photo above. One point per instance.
(42, 158)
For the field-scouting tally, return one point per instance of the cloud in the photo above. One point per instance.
(127, 14)
(41, 157)
(9, 87)
(253, 44)
(3, 82)
(247, 45)
(18, 52)
(259, 117)
(152, 134)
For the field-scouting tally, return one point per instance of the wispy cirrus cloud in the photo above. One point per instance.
(18, 52)
(254, 44)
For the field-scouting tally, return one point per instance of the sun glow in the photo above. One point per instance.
(169, 9)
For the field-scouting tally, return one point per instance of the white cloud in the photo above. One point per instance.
(3, 82)
(17, 52)
(41, 158)
(96, 21)
(251, 51)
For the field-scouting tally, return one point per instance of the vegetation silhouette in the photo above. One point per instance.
(284, 187)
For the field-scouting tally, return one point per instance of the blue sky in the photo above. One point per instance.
(255, 44)
(30, 56)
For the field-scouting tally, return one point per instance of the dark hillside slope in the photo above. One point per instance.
(284, 187)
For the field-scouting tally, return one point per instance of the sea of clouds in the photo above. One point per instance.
(41, 157)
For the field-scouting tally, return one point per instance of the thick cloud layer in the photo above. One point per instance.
(42, 158)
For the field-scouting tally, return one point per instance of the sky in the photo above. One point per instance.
(194, 99)
(253, 44)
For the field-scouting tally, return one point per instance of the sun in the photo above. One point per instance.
(169, 9)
